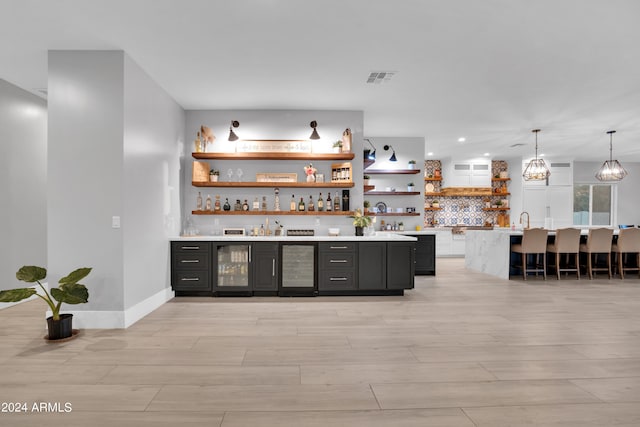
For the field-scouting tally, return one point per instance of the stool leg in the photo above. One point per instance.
(524, 266)
(577, 255)
(620, 265)
(609, 264)
(544, 266)
(589, 265)
(558, 265)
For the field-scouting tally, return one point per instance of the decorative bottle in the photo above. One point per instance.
(208, 203)
(245, 205)
(216, 204)
(256, 204)
(264, 203)
(329, 205)
(301, 205)
(227, 206)
(199, 202)
(336, 203)
(293, 206)
(320, 203)
(310, 206)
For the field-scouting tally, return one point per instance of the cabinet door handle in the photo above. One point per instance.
(273, 267)
(337, 247)
(190, 248)
(249, 253)
(190, 279)
(337, 261)
(190, 261)
(337, 279)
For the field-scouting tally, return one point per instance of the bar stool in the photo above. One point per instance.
(598, 242)
(628, 243)
(567, 242)
(534, 242)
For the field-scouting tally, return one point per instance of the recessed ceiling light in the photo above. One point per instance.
(430, 153)
(462, 139)
(486, 154)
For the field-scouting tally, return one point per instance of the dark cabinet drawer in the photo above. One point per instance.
(190, 247)
(191, 261)
(337, 260)
(336, 280)
(197, 280)
(337, 247)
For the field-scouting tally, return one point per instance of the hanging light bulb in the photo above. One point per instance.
(611, 170)
(537, 169)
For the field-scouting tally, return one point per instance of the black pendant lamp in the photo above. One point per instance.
(393, 156)
(314, 134)
(232, 134)
(611, 170)
(537, 169)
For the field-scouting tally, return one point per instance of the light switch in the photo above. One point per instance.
(115, 222)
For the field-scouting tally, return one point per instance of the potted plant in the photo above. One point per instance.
(360, 221)
(365, 179)
(337, 146)
(69, 292)
(401, 226)
(435, 204)
(214, 174)
(412, 164)
(367, 205)
(410, 187)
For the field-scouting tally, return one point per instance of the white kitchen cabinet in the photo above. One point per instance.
(468, 174)
(444, 243)
(554, 202)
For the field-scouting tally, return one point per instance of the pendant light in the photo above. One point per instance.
(314, 134)
(393, 156)
(232, 134)
(372, 154)
(611, 170)
(537, 169)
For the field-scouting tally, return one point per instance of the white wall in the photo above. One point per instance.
(271, 124)
(23, 187)
(111, 132)
(153, 140)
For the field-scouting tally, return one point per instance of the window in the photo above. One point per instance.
(593, 204)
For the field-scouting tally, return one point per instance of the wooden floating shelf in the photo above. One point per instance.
(274, 184)
(368, 188)
(273, 156)
(433, 179)
(434, 194)
(392, 171)
(275, 213)
(495, 209)
(432, 209)
(500, 179)
(394, 214)
(368, 162)
(392, 193)
(500, 194)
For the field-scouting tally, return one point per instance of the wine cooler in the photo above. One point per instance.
(233, 268)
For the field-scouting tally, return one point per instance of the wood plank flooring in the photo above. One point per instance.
(462, 349)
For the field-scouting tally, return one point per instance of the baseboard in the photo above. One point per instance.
(98, 319)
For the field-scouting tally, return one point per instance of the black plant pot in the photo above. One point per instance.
(60, 329)
(359, 231)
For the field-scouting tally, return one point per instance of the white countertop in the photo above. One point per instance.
(377, 237)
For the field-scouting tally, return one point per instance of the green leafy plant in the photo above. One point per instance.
(412, 162)
(214, 172)
(360, 220)
(69, 291)
(366, 177)
(367, 204)
(338, 143)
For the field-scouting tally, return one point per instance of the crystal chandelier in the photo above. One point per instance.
(537, 169)
(611, 170)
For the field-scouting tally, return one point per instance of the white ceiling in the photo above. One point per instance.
(488, 70)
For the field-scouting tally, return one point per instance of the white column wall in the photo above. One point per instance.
(153, 143)
(23, 186)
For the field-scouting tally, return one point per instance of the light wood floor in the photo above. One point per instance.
(462, 349)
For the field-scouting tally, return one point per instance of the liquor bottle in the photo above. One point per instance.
(208, 203)
(237, 206)
(227, 206)
(310, 206)
(301, 205)
(329, 205)
(216, 204)
(245, 205)
(336, 203)
(264, 203)
(199, 202)
(293, 206)
(320, 203)
(261, 231)
(256, 204)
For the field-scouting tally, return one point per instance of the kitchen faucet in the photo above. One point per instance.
(525, 212)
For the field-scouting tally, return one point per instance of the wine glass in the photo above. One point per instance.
(230, 174)
(239, 173)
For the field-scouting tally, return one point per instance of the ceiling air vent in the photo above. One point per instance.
(377, 77)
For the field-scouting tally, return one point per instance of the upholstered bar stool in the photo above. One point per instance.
(534, 242)
(598, 242)
(567, 242)
(628, 244)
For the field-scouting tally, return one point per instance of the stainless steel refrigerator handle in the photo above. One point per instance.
(273, 267)
(249, 253)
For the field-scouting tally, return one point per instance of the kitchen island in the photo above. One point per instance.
(380, 264)
(490, 251)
